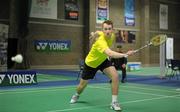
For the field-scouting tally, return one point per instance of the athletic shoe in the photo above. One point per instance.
(74, 98)
(115, 106)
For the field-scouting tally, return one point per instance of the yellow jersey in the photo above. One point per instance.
(96, 55)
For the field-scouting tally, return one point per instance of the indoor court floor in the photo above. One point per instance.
(133, 97)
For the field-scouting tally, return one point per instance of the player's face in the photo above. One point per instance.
(107, 29)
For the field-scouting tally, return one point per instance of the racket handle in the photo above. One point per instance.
(135, 51)
(126, 55)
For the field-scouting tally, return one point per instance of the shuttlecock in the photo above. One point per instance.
(18, 58)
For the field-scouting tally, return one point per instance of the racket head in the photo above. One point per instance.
(158, 39)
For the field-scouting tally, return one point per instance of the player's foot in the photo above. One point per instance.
(115, 106)
(74, 98)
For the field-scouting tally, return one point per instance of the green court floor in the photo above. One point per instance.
(49, 77)
(146, 71)
(96, 98)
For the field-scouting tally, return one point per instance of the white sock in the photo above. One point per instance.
(76, 94)
(114, 98)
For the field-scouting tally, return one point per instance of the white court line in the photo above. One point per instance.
(161, 90)
(127, 102)
(34, 90)
(88, 107)
(147, 88)
(73, 87)
(133, 91)
(46, 80)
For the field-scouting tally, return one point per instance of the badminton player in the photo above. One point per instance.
(97, 59)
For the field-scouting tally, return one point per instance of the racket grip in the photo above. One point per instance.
(125, 55)
(135, 51)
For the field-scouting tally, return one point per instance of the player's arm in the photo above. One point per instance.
(114, 54)
(93, 37)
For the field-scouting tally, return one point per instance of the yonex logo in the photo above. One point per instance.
(58, 46)
(1, 78)
(41, 46)
(52, 45)
(18, 78)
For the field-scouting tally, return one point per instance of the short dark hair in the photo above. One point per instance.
(109, 22)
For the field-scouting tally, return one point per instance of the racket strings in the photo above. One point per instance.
(158, 40)
(155, 41)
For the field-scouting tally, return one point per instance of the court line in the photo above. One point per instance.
(147, 88)
(158, 97)
(36, 90)
(134, 92)
(73, 87)
(29, 90)
(162, 89)
(46, 78)
(127, 102)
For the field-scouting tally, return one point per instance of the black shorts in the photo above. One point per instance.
(89, 72)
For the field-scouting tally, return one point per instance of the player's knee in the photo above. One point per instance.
(115, 77)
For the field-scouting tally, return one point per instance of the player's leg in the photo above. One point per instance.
(112, 73)
(88, 73)
(79, 90)
(81, 86)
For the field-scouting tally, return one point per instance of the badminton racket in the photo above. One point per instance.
(155, 41)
